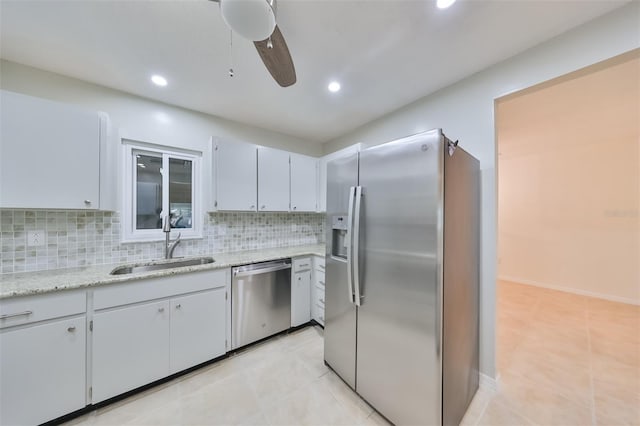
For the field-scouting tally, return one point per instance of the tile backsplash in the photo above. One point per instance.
(79, 238)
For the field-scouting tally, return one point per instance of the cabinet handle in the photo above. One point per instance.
(321, 300)
(321, 282)
(322, 266)
(178, 306)
(71, 329)
(263, 206)
(19, 314)
(160, 309)
(299, 278)
(87, 202)
(253, 206)
(294, 207)
(303, 265)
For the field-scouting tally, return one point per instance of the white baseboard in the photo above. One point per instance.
(571, 290)
(489, 384)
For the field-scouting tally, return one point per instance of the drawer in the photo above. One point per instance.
(158, 288)
(28, 309)
(301, 264)
(319, 278)
(318, 263)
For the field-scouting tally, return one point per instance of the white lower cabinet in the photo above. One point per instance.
(147, 330)
(198, 329)
(317, 290)
(130, 348)
(301, 291)
(42, 371)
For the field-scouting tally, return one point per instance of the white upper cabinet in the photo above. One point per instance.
(50, 154)
(235, 175)
(273, 180)
(304, 180)
(322, 172)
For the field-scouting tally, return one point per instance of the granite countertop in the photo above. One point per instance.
(29, 283)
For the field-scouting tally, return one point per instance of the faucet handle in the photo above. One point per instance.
(166, 226)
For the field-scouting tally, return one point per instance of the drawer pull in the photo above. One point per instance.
(161, 310)
(322, 266)
(178, 306)
(71, 329)
(19, 314)
(321, 300)
(303, 265)
(321, 282)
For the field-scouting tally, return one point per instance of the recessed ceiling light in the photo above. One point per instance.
(334, 86)
(443, 4)
(159, 80)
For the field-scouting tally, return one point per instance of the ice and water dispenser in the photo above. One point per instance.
(340, 237)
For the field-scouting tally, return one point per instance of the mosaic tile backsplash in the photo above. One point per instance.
(80, 238)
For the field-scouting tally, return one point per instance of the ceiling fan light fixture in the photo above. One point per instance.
(443, 4)
(251, 19)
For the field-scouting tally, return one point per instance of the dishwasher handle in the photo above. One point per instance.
(255, 269)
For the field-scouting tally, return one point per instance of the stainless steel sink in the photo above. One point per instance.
(132, 269)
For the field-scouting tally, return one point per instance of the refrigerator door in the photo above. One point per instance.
(340, 312)
(399, 320)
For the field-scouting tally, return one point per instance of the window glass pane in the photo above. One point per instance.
(148, 191)
(180, 185)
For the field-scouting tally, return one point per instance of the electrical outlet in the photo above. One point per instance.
(36, 238)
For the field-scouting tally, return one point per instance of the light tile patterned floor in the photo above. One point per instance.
(564, 360)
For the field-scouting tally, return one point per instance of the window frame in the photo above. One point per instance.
(130, 149)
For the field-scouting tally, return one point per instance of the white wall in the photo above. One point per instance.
(569, 182)
(140, 118)
(465, 111)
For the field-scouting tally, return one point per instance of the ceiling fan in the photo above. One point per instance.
(255, 20)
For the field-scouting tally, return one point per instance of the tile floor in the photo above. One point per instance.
(563, 360)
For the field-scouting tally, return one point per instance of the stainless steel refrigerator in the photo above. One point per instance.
(402, 272)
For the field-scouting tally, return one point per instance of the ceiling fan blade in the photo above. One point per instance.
(277, 59)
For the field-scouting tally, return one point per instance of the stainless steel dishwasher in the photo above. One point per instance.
(260, 301)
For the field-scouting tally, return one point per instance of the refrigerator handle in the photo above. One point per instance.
(356, 246)
(352, 191)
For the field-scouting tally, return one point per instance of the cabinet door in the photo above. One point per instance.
(300, 298)
(198, 328)
(130, 348)
(322, 185)
(53, 149)
(42, 371)
(235, 176)
(273, 180)
(304, 173)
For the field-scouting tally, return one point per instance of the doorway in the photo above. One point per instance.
(568, 293)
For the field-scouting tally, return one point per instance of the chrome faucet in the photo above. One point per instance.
(169, 246)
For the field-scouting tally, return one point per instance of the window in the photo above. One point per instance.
(158, 184)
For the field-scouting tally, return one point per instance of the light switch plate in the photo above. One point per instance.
(36, 238)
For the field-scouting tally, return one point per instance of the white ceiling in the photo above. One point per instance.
(385, 53)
